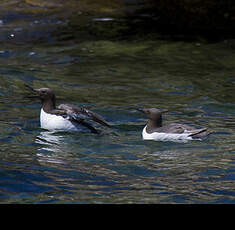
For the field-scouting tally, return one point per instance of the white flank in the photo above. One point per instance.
(165, 136)
(54, 122)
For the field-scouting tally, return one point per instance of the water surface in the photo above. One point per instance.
(195, 80)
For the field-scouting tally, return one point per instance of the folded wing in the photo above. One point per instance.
(80, 114)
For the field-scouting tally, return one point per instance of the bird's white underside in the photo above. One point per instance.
(166, 136)
(54, 122)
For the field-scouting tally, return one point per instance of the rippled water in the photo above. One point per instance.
(194, 80)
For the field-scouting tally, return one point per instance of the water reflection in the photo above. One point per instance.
(52, 147)
(49, 138)
(171, 154)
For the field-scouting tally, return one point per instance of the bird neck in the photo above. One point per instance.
(153, 124)
(48, 105)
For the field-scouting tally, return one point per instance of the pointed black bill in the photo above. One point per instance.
(33, 90)
(29, 87)
(164, 110)
(140, 110)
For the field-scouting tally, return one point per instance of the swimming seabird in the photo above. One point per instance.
(174, 131)
(65, 116)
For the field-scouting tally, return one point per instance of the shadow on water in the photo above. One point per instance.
(100, 64)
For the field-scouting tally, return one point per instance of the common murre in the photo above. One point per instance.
(171, 132)
(64, 117)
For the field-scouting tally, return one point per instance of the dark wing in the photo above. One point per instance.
(59, 112)
(172, 128)
(81, 114)
(74, 113)
(180, 128)
(74, 117)
(96, 117)
(199, 133)
(92, 129)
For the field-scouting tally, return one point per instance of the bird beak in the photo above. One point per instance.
(29, 87)
(33, 90)
(164, 110)
(141, 110)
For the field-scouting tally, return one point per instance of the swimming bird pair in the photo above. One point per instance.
(73, 118)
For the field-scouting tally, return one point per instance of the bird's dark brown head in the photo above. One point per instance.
(154, 115)
(47, 97)
(45, 94)
(42, 93)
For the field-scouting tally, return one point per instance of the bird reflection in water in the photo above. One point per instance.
(50, 142)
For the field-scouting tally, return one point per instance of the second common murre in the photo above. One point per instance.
(171, 132)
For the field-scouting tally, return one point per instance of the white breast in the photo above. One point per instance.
(165, 136)
(54, 122)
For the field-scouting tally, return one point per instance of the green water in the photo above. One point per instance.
(194, 80)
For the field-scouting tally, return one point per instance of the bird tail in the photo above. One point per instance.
(199, 133)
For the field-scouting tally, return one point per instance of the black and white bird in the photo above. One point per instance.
(154, 130)
(65, 117)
